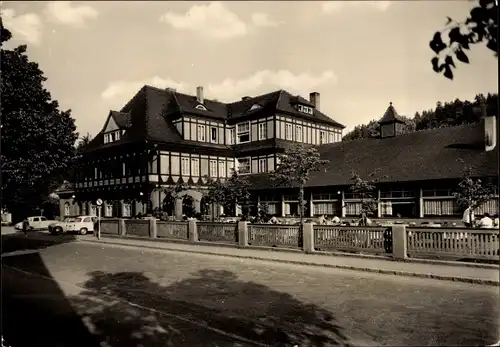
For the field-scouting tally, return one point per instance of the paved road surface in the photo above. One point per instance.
(152, 298)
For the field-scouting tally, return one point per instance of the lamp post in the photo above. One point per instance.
(142, 202)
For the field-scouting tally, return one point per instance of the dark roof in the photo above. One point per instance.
(422, 155)
(148, 115)
(391, 116)
(122, 119)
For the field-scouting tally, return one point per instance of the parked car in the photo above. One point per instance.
(60, 227)
(36, 223)
(81, 225)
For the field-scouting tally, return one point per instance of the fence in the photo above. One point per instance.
(273, 235)
(397, 240)
(464, 243)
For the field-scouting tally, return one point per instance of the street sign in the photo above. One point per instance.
(99, 202)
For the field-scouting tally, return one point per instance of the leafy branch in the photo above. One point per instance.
(480, 26)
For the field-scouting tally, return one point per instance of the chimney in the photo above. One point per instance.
(314, 99)
(199, 94)
(245, 98)
(173, 90)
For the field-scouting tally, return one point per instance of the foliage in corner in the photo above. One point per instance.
(472, 192)
(480, 26)
(227, 193)
(295, 167)
(38, 140)
(366, 191)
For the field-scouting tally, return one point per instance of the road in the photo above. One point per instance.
(74, 294)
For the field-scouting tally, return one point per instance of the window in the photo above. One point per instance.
(201, 107)
(87, 220)
(195, 167)
(255, 107)
(126, 210)
(213, 134)
(113, 137)
(124, 169)
(93, 210)
(108, 212)
(185, 166)
(201, 133)
(106, 138)
(244, 165)
(298, 133)
(288, 131)
(95, 173)
(305, 109)
(243, 131)
(323, 208)
(231, 136)
(262, 165)
(43, 218)
(331, 139)
(262, 131)
(222, 169)
(213, 168)
(321, 137)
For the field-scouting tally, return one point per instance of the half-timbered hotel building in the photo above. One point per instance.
(161, 138)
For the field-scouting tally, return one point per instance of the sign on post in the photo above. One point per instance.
(99, 207)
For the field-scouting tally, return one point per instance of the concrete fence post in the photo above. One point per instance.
(193, 231)
(308, 238)
(243, 234)
(399, 242)
(153, 231)
(122, 227)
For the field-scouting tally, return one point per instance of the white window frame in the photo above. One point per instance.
(124, 169)
(201, 107)
(298, 133)
(195, 167)
(331, 137)
(201, 132)
(305, 109)
(263, 165)
(322, 139)
(96, 173)
(288, 131)
(231, 136)
(247, 159)
(127, 210)
(262, 131)
(108, 211)
(242, 129)
(222, 168)
(184, 166)
(213, 168)
(212, 139)
(106, 138)
(93, 210)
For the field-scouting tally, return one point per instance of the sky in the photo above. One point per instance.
(358, 55)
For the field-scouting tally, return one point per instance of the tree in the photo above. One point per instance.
(294, 168)
(472, 192)
(365, 190)
(37, 138)
(234, 190)
(83, 142)
(480, 26)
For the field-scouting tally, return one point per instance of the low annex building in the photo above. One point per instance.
(162, 138)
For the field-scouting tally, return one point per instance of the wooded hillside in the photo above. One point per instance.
(445, 114)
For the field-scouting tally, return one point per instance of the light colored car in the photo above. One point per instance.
(60, 227)
(82, 225)
(36, 223)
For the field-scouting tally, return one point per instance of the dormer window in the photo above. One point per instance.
(201, 107)
(255, 107)
(305, 109)
(113, 136)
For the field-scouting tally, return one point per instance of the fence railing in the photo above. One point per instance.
(273, 235)
(137, 227)
(174, 230)
(361, 239)
(222, 232)
(465, 243)
(398, 240)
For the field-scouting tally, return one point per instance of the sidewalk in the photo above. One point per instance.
(487, 274)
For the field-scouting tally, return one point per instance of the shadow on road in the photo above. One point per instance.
(32, 241)
(35, 311)
(217, 299)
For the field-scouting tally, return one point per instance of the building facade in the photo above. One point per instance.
(162, 138)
